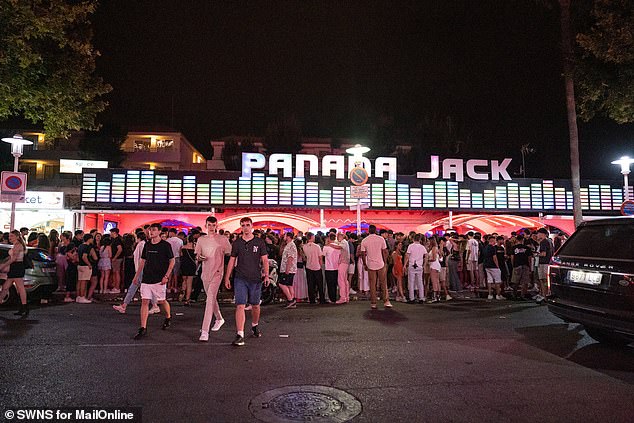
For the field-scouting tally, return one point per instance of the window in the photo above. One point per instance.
(51, 171)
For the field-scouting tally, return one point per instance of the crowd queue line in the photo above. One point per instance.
(313, 268)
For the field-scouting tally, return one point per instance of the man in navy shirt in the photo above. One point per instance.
(250, 251)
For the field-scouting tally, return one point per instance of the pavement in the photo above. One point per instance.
(465, 360)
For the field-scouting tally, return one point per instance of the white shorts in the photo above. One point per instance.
(494, 275)
(351, 269)
(153, 291)
(84, 273)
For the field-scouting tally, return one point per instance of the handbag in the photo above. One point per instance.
(26, 260)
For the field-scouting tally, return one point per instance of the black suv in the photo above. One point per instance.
(591, 280)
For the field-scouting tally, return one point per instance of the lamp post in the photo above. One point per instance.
(357, 153)
(17, 147)
(625, 163)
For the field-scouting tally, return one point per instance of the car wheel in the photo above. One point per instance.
(9, 297)
(607, 337)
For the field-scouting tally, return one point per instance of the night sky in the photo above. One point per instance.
(230, 68)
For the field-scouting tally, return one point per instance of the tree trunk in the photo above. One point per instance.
(568, 63)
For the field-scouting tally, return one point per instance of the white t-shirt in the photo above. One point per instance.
(331, 258)
(473, 247)
(177, 245)
(417, 254)
(373, 245)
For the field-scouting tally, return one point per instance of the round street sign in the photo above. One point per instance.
(13, 182)
(627, 208)
(358, 176)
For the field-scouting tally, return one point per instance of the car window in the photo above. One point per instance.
(39, 255)
(601, 241)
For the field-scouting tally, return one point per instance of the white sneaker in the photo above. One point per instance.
(353, 292)
(499, 297)
(155, 309)
(204, 336)
(490, 297)
(83, 300)
(448, 297)
(68, 300)
(248, 307)
(217, 325)
(119, 308)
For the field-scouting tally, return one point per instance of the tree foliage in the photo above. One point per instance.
(604, 73)
(104, 144)
(47, 64)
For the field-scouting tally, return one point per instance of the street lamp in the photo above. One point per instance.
(357, 153)
(625, 163)
(17, 146)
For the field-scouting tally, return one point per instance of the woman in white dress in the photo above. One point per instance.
(299, 282)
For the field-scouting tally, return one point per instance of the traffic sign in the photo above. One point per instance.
(359, 192)
(13, 188)
(627, 208)
(358, 176)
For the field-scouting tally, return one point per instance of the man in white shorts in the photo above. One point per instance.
(492, 269)
(156, 264)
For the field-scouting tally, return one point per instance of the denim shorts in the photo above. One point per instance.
(247, 292)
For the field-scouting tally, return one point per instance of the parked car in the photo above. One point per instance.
(591, 280)
(40, 281)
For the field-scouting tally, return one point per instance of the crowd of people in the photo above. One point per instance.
(314, 268)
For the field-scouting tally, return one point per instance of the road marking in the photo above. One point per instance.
(146, 344)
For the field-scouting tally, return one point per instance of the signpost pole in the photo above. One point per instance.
(626, 186)
(15, 169)
(358, 216)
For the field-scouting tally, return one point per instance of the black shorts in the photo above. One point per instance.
(286, 279)
(16, 270)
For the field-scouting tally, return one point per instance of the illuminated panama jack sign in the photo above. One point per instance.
(384, 167)
(308, 181)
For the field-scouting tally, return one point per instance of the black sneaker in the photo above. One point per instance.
(292, 304)
(167, 323)
(256, 332)
(411, 301)
(140, 334)
(238, 342)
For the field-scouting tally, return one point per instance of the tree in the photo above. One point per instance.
(230, 155)
(284, 135)
(47, 65)
(604, 73)
(104, 144)
(573, 133)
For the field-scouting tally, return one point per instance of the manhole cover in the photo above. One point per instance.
(305, 403)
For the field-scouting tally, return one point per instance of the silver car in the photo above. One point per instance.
(40, 281)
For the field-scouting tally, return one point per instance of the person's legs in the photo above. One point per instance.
(312, 285)
(419, 284)
(435, 283)
(331, 282)
(373, 275)
(19, 286)
(187, 286)
(342, 282)
(166, 308)
(382, 275)
(211, 305)
(255, 315)
(93, 285)
(145, 303)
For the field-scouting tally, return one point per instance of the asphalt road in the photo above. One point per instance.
(461, 361)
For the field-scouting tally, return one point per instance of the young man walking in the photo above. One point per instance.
(156, 264)
(211, 250)
(545, 254)
(374, 255)
(251, 254)
(492, 269)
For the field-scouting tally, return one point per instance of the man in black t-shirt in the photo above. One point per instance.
(492, 268)
(545, 254)
(251, 253)
(522, 261)
(117, 260)
(156, 264)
